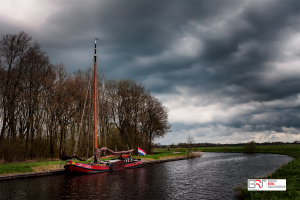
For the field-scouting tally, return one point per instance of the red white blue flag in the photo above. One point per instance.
(141, 151)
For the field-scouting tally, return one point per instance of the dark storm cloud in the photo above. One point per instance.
(268, 24)
(129, 28)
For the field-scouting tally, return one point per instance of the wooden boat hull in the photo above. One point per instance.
(74, 167)
(84, 168)
(134, 165)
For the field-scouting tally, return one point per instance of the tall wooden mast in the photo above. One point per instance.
(95, 99)
(95, 96)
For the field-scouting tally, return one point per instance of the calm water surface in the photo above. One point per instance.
(213, 176)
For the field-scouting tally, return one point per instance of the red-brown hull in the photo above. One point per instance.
(84, 168)
(134, 165)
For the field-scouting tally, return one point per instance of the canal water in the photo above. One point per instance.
(212, 176)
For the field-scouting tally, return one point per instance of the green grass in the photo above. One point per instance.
(15, 168)
(290, 171)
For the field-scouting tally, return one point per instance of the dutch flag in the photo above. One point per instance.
(141, 151)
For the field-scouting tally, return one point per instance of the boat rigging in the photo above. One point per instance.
(121, 163)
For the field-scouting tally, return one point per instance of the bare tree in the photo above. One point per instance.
(154, 119)
(13, 51)
(190, 145)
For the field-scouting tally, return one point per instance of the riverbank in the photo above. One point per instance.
(32, 169)
(289, 171)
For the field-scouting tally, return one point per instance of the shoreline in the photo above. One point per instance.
(62, 171)
(32, 174)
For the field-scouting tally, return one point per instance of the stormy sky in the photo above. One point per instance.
(228, 71)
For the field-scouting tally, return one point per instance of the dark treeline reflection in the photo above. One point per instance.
(41, 107)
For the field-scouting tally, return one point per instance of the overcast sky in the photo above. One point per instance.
(228, 71)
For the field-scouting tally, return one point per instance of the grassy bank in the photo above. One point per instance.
(27, 167)
(40, 166)
(159, 154)
(290, 171)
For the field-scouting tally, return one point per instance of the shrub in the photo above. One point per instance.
(249, 147)
(168, 148)
(179, 149)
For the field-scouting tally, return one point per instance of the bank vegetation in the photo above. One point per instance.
(45, 110)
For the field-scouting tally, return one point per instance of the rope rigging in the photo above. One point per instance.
(77, 134)
(89, 86)
(77, 138)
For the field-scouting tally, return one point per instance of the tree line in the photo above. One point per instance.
(45, 110)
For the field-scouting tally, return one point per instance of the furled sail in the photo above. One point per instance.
(98, 151)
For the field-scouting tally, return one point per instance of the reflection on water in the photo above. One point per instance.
(213, 176)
